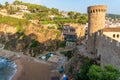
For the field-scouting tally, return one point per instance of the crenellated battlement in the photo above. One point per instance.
(97, 9)
(111, 42)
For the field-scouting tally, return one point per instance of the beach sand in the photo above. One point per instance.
(29, 68)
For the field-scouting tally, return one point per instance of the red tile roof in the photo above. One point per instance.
(116, 29)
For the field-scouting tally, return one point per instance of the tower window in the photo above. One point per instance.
(91, 11)
(99, 10)
(113, 35)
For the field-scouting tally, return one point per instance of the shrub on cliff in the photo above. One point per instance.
(91, 71)
(107, 73)
(13, 21)
(82, 74)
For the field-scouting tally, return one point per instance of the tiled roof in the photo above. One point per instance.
(116, 29)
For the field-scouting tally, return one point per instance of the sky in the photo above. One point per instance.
(75, 5)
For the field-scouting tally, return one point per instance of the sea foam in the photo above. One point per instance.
(7, 68)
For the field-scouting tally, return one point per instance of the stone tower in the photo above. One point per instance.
(96, 21)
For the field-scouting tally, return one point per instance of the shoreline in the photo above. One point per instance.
(18, 71)
(7, 65)
(15, 57)
(28, 68)
(11, 77)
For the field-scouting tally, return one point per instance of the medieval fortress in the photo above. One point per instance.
(102, 42)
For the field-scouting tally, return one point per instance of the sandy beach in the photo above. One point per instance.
(29, 68)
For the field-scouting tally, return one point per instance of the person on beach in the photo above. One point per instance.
(61, 70)
(64, 77)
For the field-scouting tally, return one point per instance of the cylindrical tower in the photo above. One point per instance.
(96, 21)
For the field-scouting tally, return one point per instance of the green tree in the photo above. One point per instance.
(83, 19)
(6, 4)
(16, 2)
(111, 73)
(71, 14)
(95, 73)
(82, 75)
(30, 16)
(43, 16)
(107, 73)
(1, 6)
(77, 16)
(34, 43)
(54, 11)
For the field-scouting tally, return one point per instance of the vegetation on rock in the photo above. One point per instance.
(13, 21)
(91, 71)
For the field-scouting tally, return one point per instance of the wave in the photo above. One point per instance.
(7, 68)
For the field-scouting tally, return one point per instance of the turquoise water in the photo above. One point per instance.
(7, 69)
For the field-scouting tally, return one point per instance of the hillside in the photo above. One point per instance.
(38, 28)
(23, 36)
(13, 21)
(43, 14)
(113, 16)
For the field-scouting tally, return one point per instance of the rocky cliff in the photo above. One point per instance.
(75, 63)
(30, 39)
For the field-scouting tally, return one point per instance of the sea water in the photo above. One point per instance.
(7, 69)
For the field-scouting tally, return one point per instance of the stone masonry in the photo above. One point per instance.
(96, 21)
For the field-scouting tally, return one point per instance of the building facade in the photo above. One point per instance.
(70, 36)
(73, 33)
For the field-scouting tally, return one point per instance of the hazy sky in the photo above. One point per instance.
(76, 5)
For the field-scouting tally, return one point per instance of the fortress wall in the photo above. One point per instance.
(109, 49)
(106, 48)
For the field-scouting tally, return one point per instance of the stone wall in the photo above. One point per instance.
(109, 50)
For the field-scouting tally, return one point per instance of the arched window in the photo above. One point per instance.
(117, 35)
(113, 35)
(99, 10)
(91, 11)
